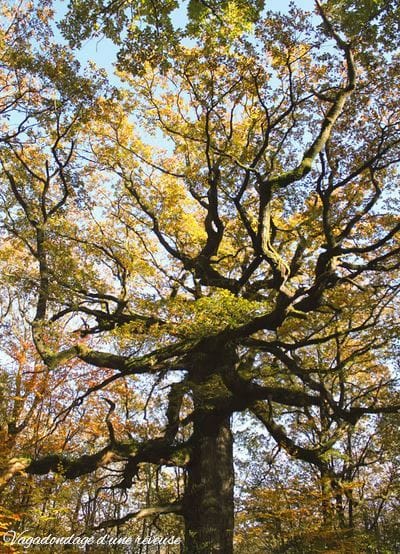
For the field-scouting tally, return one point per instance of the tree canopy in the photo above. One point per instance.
(200, 275)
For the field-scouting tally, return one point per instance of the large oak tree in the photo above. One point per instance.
(222, 229)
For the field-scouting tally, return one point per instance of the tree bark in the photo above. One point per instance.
(208, 505)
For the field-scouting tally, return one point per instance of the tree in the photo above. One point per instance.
(246, 264)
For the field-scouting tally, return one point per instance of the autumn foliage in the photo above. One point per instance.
(199, 259)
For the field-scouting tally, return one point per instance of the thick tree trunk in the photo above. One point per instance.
(208, 504)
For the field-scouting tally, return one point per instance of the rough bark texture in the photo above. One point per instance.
(208, 508)
(208, 505)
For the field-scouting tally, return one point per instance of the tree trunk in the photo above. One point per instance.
(208, 503)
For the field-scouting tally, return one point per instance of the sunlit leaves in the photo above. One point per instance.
(148, 33)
